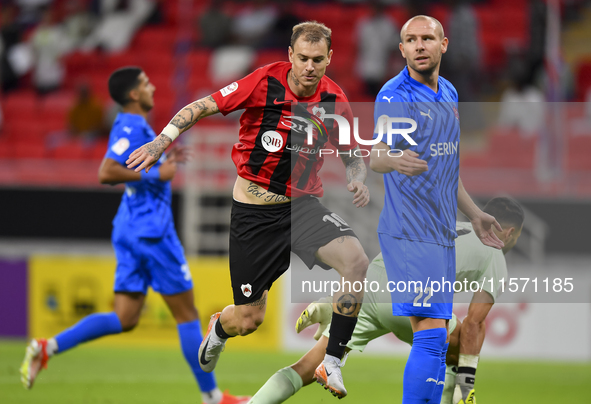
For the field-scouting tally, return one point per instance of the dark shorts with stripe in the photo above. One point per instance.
(262, 236)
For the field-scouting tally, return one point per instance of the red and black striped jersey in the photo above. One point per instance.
(273, 149)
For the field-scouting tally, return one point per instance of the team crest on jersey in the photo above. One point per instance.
(456, 113)
(319, 112)
(229, 89)
(246, 290)
(120, 146)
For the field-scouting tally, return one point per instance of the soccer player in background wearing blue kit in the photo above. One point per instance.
(417, 226)
(146, 245)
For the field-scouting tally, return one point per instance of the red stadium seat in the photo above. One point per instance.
(98, 83)
(199, 61)
(399, 14)
(265, 57)
(159, 63)
(98, 150)
(152, 39)
(480, 159)
(578, 153)
(72, 150)
(125, 58)
(5, 152)
(439, 12)
(27, 130)
(583, 79)
(200, 82)
(520, 154)
(19, 105)
(81, 64)
(23, 149)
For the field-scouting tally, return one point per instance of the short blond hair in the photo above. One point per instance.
(312, 31)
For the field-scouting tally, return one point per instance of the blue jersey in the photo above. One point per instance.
(145, 206)
(423, 207)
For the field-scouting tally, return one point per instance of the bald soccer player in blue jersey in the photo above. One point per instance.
(417, 226)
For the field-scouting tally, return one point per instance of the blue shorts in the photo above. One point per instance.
(420, 277)
(156, 262)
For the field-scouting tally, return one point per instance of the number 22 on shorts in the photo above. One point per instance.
(428, 295)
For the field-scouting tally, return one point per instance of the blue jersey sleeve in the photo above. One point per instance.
(125, 137)
(392, 105)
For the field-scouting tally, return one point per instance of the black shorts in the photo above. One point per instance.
(262, 236)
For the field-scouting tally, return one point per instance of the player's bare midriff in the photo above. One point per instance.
(246, 191)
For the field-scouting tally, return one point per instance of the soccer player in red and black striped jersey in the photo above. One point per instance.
(275, 208)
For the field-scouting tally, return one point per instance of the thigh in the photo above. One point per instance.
(128, 307)
(417, 273)
(338, 252)
(182, 306)
(165, 261)
(313, 227)
(259, 249)
(129, 274)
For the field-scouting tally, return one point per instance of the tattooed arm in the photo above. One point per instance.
(149, 153)
(356, 173)
(192, 113)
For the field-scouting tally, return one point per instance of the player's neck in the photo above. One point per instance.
(430, 79)
(135, 108)
(297, 88)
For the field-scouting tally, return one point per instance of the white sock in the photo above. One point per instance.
(51, 346)
(212, 397)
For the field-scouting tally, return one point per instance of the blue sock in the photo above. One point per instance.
(191, 337)
(438, 392)
(89, 328)
(423, 365)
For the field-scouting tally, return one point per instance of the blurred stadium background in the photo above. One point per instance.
(523, 71)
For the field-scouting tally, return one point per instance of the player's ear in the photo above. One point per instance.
(134, 95)
(290, 54)
(444, 44)
(401, 49)
(509, 231)
(329, 57)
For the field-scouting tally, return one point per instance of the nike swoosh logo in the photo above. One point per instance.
(205, 362)
(344, 229)
(328, 374)
(341, 344)
(280, 102)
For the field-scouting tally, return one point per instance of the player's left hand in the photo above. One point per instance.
(319, 312)
(483, 226)
(361, 197)
(148, 154)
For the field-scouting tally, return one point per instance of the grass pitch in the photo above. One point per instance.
(99, 375)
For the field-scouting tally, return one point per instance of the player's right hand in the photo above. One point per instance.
(148, 154)
(319, 312)
(409, 163)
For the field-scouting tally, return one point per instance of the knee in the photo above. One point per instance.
(357, 266)
(128, 324)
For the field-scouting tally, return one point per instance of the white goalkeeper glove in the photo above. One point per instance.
(319, 312)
